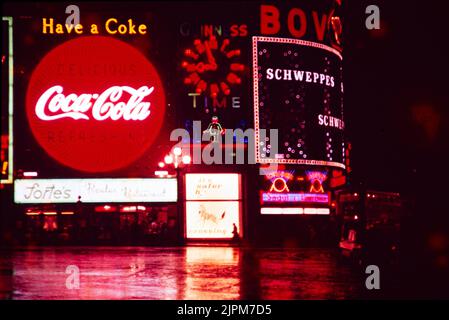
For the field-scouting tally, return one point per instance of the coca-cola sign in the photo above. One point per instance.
(95, 104)
(53, 104)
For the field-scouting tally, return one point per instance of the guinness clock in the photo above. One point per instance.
(213, 67)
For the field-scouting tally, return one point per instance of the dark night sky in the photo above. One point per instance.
(396, 93)
(396, 107)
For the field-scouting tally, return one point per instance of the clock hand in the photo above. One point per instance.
(200, 67)
(210, 57)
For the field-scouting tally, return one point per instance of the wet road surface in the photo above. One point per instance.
(177, 273)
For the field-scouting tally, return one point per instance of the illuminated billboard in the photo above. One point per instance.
(294, 211)
(6, 147)
(100, 99)
(213, 186)
(213, 205)
(94, 190)
(95, 104)
(298, 90)
(267, 197)
(212, 219)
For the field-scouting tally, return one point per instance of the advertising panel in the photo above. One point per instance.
(298, 90)
(212, 219)
(6, 108)
(94, 190)
(95, 104)
(216, 186)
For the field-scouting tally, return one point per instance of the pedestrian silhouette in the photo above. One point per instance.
(235, 233)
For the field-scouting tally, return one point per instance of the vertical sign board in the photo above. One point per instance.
(213, 206)
(298, 90)
(6, 162)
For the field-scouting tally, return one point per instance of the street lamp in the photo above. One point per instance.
(176, 159)
(177, 151)
(186, 159)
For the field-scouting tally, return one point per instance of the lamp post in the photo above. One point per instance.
(177, 160)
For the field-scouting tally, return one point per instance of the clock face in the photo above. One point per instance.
(213, 67)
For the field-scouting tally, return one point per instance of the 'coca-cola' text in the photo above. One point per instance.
(115, 103)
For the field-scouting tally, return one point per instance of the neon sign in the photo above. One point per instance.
(95, 104)
(279, 180)
(76, 106)
(279, 185)
(6, 147)
(306, 81)
(294, 197)
(95, 190)
(112, 26)
(272, 21)
(317, 211)
(202, 62)
(316, 179)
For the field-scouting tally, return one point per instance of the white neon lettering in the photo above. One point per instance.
(53, 104)
(278, 74)
(329, 121)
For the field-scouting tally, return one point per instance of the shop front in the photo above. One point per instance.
(98, 211)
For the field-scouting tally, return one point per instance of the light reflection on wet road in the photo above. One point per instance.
(177, 273)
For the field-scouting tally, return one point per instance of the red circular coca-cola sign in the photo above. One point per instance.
(95, 104)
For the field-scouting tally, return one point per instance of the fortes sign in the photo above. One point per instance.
(94, 190)
(95, 104)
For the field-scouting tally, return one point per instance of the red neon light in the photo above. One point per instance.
(279, 174)
(191, 54)
(224, 45)
(99, 121)
(316, 179)
(214, 90)
(233, 78)
(279, 185)
(202, 86)
(225, 88)
(237, 67)
(203, 61)
(105, 208)
(233, 53)
(316, 186)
